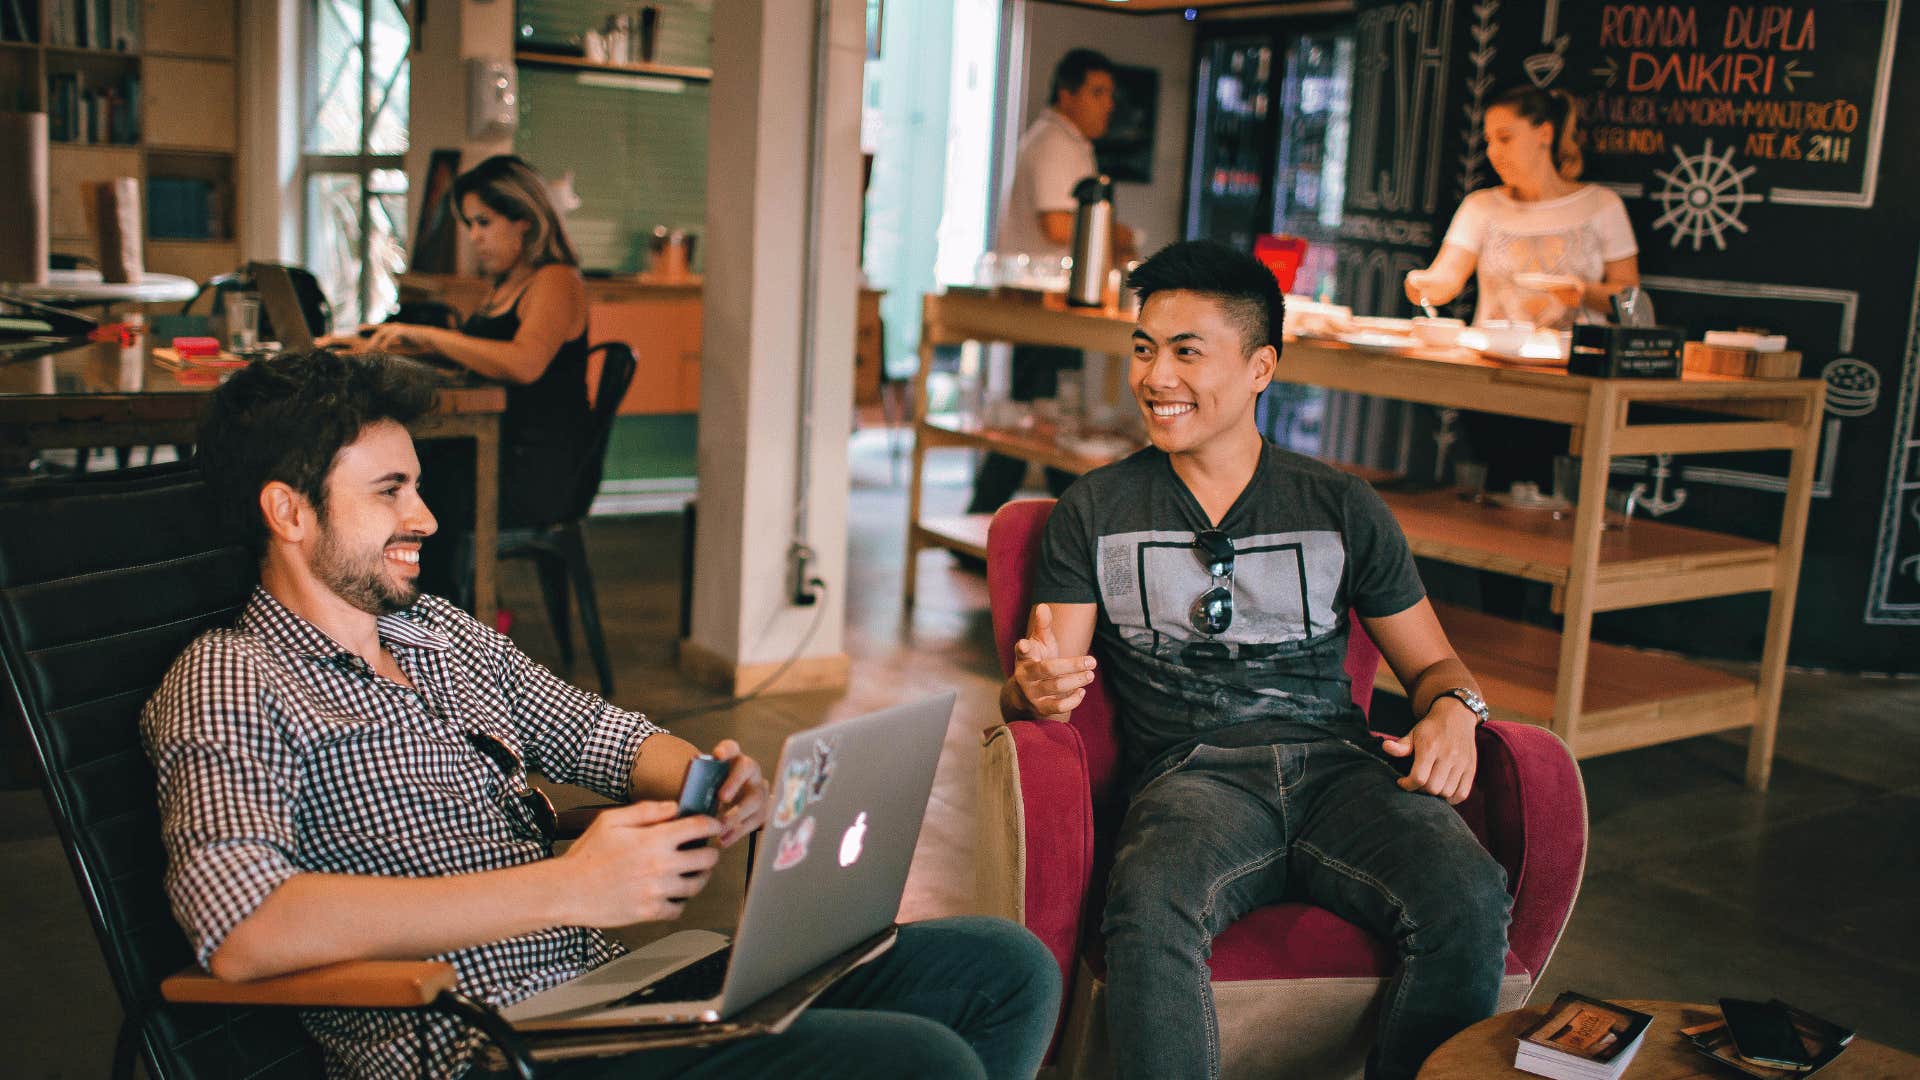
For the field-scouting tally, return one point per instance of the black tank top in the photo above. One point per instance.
(551, 410)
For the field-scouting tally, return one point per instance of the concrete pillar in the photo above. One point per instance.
(761, 171)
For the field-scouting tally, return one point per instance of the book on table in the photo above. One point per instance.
(1582, 1038)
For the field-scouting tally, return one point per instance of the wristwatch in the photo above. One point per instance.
(1468, 698)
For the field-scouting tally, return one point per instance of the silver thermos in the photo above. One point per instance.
(1092, 242)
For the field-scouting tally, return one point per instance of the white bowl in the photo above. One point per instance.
(1438, 331)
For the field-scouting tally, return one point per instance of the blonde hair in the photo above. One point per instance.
(1558, 109)
(509, 187)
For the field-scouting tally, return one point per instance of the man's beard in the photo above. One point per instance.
(362, 580)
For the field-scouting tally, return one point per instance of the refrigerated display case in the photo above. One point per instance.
(1310, 163)
(1231, 172)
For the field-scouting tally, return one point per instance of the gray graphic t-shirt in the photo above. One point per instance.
(1310, 543)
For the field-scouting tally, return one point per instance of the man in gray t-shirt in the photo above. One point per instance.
(1213, 578)
(1310, 544)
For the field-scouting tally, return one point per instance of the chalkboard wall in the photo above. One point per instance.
(1761, 156)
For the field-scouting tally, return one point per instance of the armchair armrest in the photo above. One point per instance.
(1535, 809)
(358, 984)
(1035, 791)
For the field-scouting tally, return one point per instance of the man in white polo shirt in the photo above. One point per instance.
(1037, 220)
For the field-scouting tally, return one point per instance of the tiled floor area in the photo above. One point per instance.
(1696, 888)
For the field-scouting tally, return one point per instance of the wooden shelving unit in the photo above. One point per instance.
(1600, 698)
(560, 61)
(188, 125)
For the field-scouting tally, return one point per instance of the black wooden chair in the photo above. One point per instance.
(558, 549)
(103, 581)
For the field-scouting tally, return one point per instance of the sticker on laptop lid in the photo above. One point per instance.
(793, 846)
(792, 799)
(822, 769)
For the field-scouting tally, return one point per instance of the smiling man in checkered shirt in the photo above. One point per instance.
(343, 776)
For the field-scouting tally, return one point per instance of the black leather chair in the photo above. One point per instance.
(103, 581)
(558, 550)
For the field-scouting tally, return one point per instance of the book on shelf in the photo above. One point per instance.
(1823, 1040)
(1582, 1038)
(19, 20)
(106, 25)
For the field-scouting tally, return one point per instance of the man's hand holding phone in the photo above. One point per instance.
(639, 863)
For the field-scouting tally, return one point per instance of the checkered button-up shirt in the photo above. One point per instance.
(279, 752)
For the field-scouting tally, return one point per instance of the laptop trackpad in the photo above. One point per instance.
(618, 978)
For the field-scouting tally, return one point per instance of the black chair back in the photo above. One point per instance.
(103, 582)
(616, 374)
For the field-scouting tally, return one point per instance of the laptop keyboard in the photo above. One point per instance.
(697, 981)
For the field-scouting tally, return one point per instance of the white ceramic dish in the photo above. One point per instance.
(1438, 331)
(1373, 339)
(1517, 343)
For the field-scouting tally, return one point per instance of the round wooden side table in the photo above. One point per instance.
(1486, 1050)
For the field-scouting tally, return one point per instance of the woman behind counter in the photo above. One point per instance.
(1540, 221)
(531, 334)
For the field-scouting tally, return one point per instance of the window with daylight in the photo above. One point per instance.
(353, 151)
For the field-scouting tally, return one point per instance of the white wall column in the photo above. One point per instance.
(760, 181)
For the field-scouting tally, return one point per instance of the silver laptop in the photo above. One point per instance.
(828, 874)
(282, 305)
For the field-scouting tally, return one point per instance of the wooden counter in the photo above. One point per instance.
(1599, 698)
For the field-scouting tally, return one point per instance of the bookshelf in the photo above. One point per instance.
(140, 88)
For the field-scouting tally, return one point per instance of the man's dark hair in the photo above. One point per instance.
(1241, 283)
(287, 418)
(1070, 74)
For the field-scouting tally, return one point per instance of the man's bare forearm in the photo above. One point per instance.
(1441, 676)
(660, 767)
(314, 919)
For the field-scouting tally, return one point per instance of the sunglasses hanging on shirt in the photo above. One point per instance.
(1212, 611)
(538, 808)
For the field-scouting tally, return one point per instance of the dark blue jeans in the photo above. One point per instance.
(963, 997)
(1226, 831)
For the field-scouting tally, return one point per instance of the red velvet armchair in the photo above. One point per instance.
(1296, 987)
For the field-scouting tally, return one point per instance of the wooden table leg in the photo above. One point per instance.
(486, 516)
(1786, 585)
(919, 465)
(1576, 634)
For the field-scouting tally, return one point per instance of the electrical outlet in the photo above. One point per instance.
(800, 581)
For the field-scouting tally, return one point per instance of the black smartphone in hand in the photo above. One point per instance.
(1763, 1033)
(700, 791)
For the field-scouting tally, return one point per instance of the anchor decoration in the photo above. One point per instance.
(1658, 504)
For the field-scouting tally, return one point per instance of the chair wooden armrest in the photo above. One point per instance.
(357, 984)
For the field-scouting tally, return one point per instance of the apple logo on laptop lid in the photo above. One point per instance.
(851, 842)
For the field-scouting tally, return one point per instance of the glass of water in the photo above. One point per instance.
(243, 322)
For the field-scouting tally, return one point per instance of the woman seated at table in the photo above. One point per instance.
(531, 334)
(1541, 222)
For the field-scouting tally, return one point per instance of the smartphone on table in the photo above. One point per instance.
(1763, 1033)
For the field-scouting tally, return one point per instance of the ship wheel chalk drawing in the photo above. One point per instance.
(1703, 197)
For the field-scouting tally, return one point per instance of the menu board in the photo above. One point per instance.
(1712, 107)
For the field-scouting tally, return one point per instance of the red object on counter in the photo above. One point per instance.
(196, 346)
(1281, 254)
